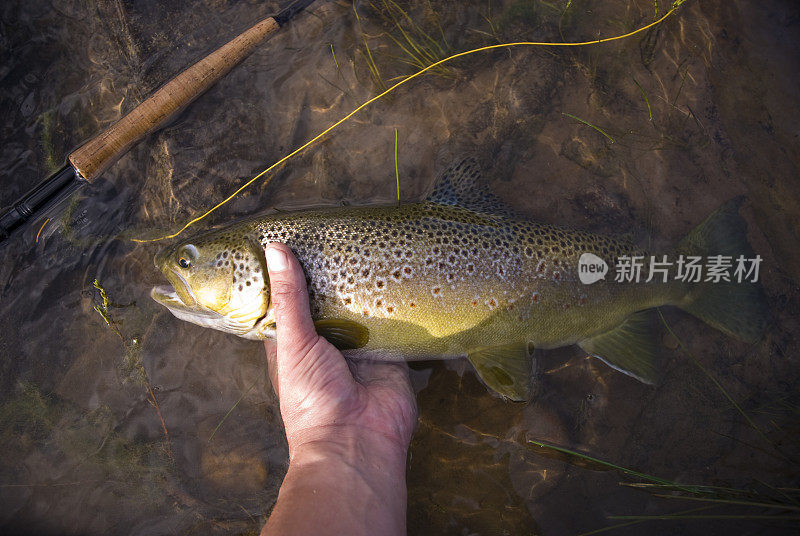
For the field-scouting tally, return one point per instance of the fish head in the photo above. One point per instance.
(218, 280)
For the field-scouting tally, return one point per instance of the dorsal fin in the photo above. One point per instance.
(458, 186)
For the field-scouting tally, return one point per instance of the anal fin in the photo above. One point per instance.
(505, 369)
(629, 348)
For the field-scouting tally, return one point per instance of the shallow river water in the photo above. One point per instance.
(117, 418)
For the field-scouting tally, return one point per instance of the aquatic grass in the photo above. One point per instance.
(680, 87)
(27, 416)
(640, 521)
(522, 12)
(683, 517)
(51, 131)
(394, 87)
(374, 72)
(396, 168)
(51, 430)
(720, 388)
(335, 61)
(492, 33)
(438, 24)
(217, 427)
(644, 95)
(67, 230)
(366, 54)
(699, 124)
(339, 73)
(598, 129)
(133, 365)
(716, 496)
(602, 463)
(133, 359)
(419, 48)
(781, 503)
(433, 47)
(672, 133)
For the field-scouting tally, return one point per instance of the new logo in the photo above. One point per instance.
(591, 268)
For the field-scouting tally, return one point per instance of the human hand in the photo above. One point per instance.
(325, 406)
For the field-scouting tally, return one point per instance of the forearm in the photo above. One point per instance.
(351, 487)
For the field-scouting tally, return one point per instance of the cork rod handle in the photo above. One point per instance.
(96, 155)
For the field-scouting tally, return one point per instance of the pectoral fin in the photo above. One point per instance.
(629, 348)
(505, 369)
(343, 334)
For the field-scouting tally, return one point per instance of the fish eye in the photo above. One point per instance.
(186, 255)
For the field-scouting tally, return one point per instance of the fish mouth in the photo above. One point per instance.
(179, 298)
(182, 288)
(167, 296)
(195, 313)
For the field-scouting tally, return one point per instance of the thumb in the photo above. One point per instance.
(305, 362)
(293, 325)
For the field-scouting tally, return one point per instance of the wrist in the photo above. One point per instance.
(361, 449)
(355, 484)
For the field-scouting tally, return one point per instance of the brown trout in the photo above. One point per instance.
(456, 275)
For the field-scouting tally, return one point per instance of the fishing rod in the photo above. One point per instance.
(90, 160)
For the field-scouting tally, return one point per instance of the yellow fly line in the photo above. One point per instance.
(394, 87)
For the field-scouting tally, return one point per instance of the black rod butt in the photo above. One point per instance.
(47, 193)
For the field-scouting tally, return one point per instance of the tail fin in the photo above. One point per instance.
(738, 309)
